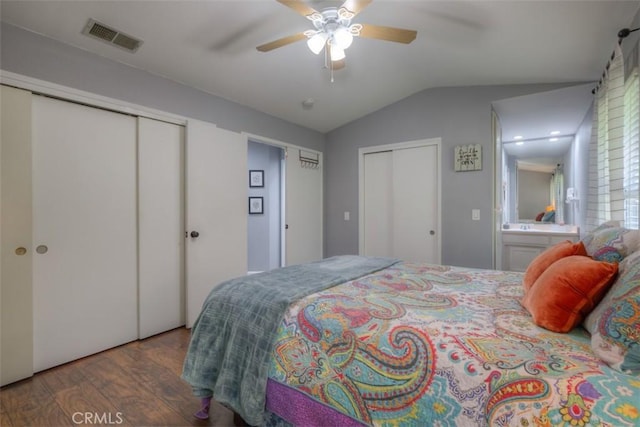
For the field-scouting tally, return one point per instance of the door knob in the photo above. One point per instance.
(432, 232)
(194, 234)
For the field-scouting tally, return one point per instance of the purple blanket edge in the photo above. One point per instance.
(301, 410)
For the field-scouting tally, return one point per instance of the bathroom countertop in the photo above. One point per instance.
(527, 228)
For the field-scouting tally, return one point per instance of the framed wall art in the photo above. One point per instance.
(256, 178)
(468, 157)
(256, 205)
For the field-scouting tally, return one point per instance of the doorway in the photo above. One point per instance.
(265, 222)
(547, 131)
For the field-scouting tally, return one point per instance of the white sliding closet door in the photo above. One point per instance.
(378, 196)
(84, 231)
(415, 204)
(217, 209)
(399, 200)
(160, 227)
(16, 314)
(303, 210)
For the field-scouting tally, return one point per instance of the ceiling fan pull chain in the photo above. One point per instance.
(331, 71)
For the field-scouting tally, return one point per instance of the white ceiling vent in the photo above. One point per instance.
(110, 35)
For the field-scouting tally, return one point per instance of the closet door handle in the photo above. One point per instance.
(194, 234)
(432, 232)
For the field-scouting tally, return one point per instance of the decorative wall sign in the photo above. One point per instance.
(256, 178)
(468, 157)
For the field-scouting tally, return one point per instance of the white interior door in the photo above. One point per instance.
(415, 204)
(217, 208)
(16, 313)
(160, 227)
(378, 196)
(304, 211)
(84, 231)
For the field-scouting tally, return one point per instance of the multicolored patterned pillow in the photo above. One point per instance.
(610, 242)
(615, 322)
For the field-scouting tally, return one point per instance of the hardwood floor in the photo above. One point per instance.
(137, 384)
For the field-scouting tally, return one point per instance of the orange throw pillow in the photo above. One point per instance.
(548, 257)
(567, 291)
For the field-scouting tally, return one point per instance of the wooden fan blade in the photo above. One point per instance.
(391, 34)
(281, 42)
(299, 7)
(338, 65)
(355, 6)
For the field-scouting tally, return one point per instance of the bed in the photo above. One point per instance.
(385, 342)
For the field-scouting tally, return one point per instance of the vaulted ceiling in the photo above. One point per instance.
(210, 45)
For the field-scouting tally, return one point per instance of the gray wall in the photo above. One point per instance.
(576, 162)
(33, 55)
(458, 115)
(513, 188)
(263, 230)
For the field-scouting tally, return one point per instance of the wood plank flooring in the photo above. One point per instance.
(137, 384)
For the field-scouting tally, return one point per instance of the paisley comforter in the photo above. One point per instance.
(424, 345)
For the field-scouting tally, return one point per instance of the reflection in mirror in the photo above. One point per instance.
(539, 192)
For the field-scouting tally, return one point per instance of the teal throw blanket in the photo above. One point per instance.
(232, 339)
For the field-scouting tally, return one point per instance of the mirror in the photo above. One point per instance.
(534, 191)
(538, 154)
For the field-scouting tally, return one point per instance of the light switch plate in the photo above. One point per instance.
(346, 216)
(475, 214)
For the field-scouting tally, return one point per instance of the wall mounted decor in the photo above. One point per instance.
(256, 205)
(256, 178)
(309, 159)
(468, 157)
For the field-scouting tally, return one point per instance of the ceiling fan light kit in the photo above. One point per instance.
(336, 53)
(333, 31)
(316, 42)
(333, 28)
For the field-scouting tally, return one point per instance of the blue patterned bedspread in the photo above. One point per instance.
(232, 339)
(423, 345)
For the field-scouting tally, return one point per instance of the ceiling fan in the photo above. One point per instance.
(334, 32)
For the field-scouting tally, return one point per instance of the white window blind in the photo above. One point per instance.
(593, 194)
(606, 198)
(603, 189)
(632, 151)
(615, 137)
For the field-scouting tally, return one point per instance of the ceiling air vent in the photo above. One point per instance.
(110, 35)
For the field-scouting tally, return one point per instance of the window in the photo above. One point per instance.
(607, 195)
(631, 151)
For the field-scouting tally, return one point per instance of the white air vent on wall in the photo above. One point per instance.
(112, 36)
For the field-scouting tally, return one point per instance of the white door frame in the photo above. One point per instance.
(398, 146)
(498, 191)
(283, 187)
(283, 212)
